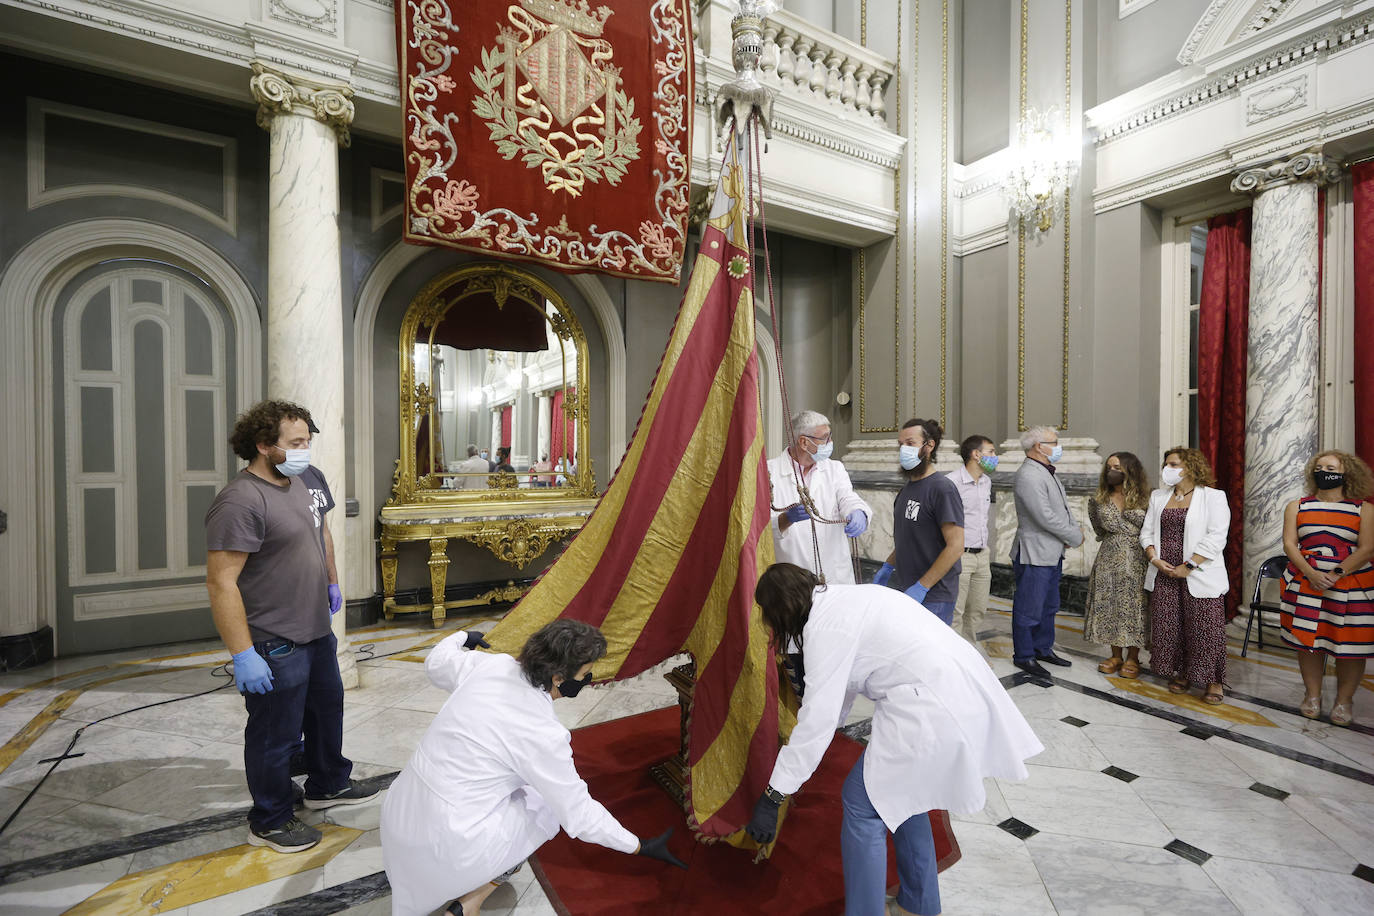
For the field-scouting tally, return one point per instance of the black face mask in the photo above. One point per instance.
(1329, 480)
(571, 687)
(1116, 478)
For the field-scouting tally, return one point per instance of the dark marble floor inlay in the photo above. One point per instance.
(1118, 773)
(1269, 791)
(1074, 721)
(1019, 829)
(1188, 851)
(334, 899)
(1200, 733)
(1364, 872)
(13, 872)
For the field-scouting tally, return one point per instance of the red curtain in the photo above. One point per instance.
(1223, 334)
(506, 415)
(1363, 175)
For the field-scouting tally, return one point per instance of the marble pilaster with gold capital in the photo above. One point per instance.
(1281, 397)
(308, 120)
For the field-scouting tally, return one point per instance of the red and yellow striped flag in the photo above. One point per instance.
(669, 559)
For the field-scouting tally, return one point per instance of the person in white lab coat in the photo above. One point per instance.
(832, 495)
(493, 777)
(941, 725)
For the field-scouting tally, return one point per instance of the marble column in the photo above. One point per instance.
(307, 121)
(545, 430)
(495, 429)
(1281, 395)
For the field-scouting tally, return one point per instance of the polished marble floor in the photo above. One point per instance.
(1142, 802)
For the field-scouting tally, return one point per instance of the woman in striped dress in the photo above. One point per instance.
(1328, 588)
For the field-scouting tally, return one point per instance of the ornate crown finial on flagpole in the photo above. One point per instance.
(746, 94)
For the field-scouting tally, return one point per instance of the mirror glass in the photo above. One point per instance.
(498, 392)
(493, 391)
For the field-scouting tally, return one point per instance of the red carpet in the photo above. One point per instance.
(803, 877)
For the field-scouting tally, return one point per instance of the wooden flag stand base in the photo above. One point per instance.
(672, 773)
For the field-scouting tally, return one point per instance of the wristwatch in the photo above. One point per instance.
(1338, 570)
(774, 795)
(1190, 564)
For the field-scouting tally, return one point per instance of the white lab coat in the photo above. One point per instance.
(834, 495)
(941, 721)
(473, 465)
(491, 781)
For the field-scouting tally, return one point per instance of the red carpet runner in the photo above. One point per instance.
(803, 878)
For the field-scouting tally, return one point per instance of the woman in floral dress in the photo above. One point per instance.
(1117, 600)
(1328, 588)
(1184, 534)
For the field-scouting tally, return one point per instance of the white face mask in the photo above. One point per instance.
(1171, 476)
(297, 460)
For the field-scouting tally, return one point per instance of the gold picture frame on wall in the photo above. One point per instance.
(492, 357)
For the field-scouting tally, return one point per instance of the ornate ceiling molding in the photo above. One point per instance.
(1331, 38)
(1226, 22)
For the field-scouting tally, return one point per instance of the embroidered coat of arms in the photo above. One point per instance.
(553, 130)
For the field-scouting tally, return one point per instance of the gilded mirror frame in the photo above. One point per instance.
(509, 286)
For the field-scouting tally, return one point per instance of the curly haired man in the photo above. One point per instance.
(269, 580)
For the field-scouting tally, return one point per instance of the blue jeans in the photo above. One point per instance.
(942, 609)
(1033, 609)
(306, 697)
(863, 850)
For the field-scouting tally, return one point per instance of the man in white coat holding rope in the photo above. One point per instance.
(814, 521)
(941, 725)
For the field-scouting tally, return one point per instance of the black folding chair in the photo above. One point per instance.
(1271, 568)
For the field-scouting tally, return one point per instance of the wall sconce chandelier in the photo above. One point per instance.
(1044, 162)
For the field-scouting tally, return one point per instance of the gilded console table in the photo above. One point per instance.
(515, 534)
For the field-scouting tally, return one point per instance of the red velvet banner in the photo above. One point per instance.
(550, 130)
(1363, 175)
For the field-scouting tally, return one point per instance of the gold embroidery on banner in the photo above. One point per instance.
(445, 208)
(551, 53)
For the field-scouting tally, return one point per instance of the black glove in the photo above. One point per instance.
(657, 848)
(763, 826)
(473, 639)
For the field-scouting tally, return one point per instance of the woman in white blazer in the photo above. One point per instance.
(1183, 536)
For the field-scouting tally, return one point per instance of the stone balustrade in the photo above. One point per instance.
(805, 61)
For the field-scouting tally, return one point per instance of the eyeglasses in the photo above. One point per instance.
(816, 439)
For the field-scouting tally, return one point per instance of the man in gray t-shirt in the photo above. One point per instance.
(270, 593)
(284, 582)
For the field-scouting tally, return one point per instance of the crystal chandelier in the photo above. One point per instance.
(1043, 165)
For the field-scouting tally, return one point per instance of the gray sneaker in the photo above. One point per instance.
(292, 836)
(351, 794)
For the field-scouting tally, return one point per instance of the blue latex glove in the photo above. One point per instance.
(856, 524)
(918, 591)
(883, 574)
(797, 513)
(472, 639)
(335, 599)
(252, 674)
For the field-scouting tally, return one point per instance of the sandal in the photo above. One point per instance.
(1342, 714)
(1213, 699)
(1311, 707)
(1110, 666)
(1130, 669)
(1178, 686)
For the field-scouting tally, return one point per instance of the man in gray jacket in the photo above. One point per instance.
(1044, 528)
